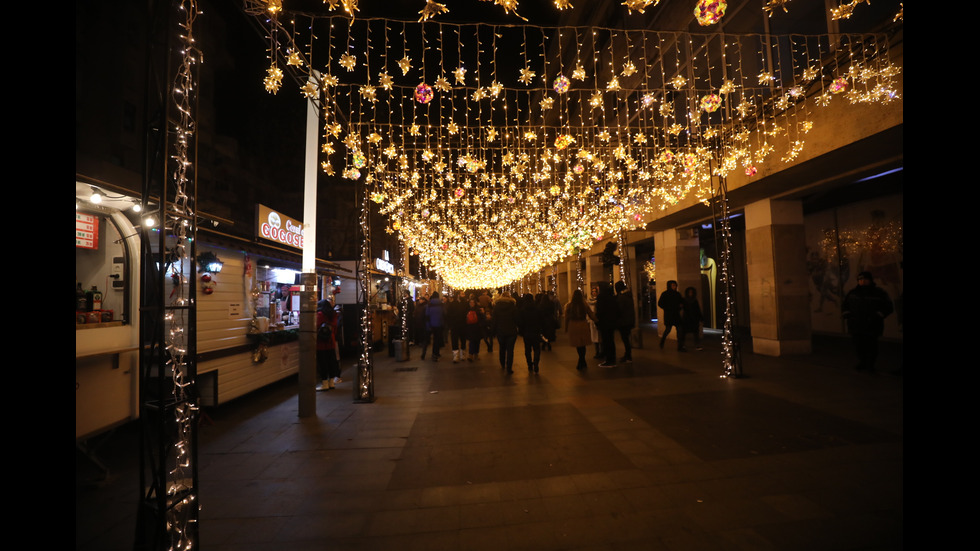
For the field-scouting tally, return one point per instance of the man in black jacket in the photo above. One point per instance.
(670, 302)
(865, 309)
(627, 319)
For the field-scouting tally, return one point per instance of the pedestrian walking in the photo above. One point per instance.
(670, 302)
(578, 318)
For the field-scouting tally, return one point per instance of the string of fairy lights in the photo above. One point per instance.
(182, 506)
(490, 171)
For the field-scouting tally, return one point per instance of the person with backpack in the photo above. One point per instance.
(475, 322)
(327, 363)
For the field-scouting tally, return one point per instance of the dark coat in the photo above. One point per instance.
(529, 322)
(607, 309)
(691, 317)
(456, 315)
(865, 309)
(503, 322)
(627, 311)
(670, 302)
(435, 313)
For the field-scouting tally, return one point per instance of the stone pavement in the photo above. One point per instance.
(801, 453)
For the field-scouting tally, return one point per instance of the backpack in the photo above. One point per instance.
(472, 318)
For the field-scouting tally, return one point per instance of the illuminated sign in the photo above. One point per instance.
(277, 227)
(384, 266)
(86, 231)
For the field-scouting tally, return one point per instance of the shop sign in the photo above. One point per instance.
(384, 266)
(277, 227)
(86, 231)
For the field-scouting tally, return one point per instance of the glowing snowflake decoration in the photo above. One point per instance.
(578, 73)
(678, 82)
(293, 58)
(310, 90)
(442, 85)
(460, 74)
(596, 100)
(431, 9)
(347, 61)
(639, 5)
(547, 103)
(273, 79)
(405, 64)
(629, 69)
(527, 75)
(613, 84)
(385, 80)
(368, 92)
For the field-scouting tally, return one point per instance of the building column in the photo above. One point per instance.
(678, 257)
(779, 302)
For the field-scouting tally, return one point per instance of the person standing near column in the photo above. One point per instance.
(865, 309)
(607, 312)
(670, 302)
(627, 319)
(327, 364)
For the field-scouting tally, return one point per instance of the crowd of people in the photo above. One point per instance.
(474, 321)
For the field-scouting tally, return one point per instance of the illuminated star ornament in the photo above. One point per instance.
(385, 80)
(509, 6)
(596, 100)
(431, 9)
(273, 79)
(628, 69)
(460, 75)
(329, 80)
(773, 4)
(368, 93)
(678, 82)
(293, 59)
(639, 5)
(348, 62)
(547, 103)
(406, 65)
(442, 85)
(578, 73)
(310, 90)
(527, 75)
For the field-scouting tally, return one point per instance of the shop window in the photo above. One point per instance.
(101, 271)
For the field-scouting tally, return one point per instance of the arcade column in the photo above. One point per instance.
(678, 257)
(779, 302)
